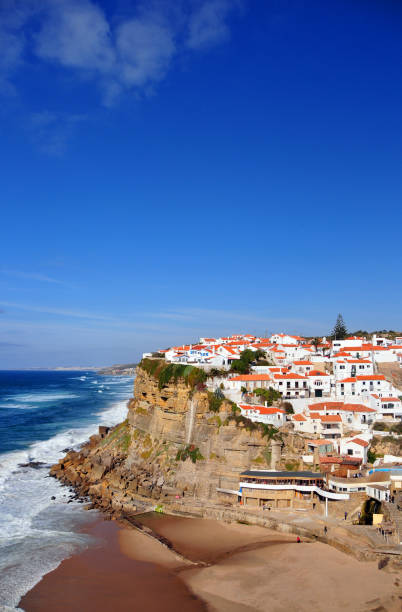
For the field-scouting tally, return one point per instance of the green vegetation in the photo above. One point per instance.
(242, 365)
(215, 400)
(189, 451)
(371, 456)
(267, 431)
(287, 407)
(119, 436)
(268, 395)
(396, 428)
(170, 372)
(260, 459)
(291, 466)
(267, 454)
(340, 330)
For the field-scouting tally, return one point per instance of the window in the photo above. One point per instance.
(350, 451)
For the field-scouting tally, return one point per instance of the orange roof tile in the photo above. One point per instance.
(331, 418)
(317, 373)
(359, 441)
(289, 376)
(263, 409)
(251, 377)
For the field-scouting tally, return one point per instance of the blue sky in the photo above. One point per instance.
(176, 169)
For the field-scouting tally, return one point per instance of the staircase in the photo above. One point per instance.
(396, 516)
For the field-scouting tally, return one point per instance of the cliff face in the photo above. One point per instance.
(171, 445)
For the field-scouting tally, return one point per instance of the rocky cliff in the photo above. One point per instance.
(177, 441)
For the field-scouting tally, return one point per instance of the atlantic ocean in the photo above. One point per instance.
(43, 413)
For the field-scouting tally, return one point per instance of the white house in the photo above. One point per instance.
(363, 385)
(354, 447)
(286, 339)
(262, 414)
(302, 366)
(386, 407)
(250, 382)
(331, 426)
(349, 367)
(328, 426)
(291, 385)
(352, 341)
(354, 416)
(319, 383)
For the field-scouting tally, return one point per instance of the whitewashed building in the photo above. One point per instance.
(262, 414)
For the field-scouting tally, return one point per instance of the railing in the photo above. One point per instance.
(294, 487)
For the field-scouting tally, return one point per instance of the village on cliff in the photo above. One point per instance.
(340, 395)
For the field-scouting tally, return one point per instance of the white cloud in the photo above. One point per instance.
(120, 53)
(33, 276)
(145, 51)
(52, 131)
(76, 35)
(208, 25)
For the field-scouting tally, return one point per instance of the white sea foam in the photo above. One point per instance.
(16, 407)
(42, 397)
(36, 531)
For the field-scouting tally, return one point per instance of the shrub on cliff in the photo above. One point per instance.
(268, 395)
(215, 400)
(166, 372)
(189, 452)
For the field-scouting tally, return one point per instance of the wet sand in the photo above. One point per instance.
(120, 574)
(240, 568)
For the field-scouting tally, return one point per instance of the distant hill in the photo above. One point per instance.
(119, 369)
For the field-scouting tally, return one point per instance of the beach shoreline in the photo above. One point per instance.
(211, 566)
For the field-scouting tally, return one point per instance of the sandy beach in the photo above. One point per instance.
(217, 566)
(126, 570)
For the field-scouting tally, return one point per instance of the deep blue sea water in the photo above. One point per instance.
(41, 414)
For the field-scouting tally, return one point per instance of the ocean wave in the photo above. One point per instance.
(40, 397)
(36, 531)
(17, 407)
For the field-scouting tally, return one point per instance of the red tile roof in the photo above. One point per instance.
(246, 377)
(317, 373)
(263, 409)
(289, 376)
(359, 441)
(390, 399)
(331, 418)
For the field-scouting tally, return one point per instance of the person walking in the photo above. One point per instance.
(325, 530)
(346, 515)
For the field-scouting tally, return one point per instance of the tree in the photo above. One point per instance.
(269, 395)
(316, 342)
(242, 365)
(287, 407)
(340, 330)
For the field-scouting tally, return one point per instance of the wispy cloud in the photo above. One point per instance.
(208, 25)
(51, 132)
(33, 276)
(128, 53)
(8, 345)
(80, 314)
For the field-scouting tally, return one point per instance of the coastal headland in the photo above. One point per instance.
(180, 451)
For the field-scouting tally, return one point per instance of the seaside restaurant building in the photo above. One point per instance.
(271, 489)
